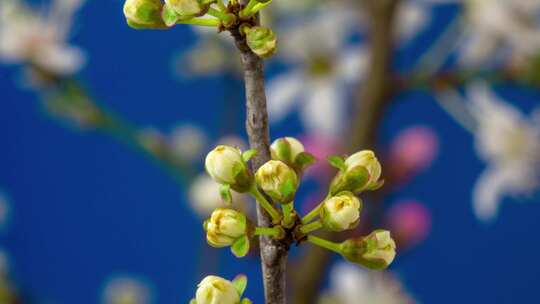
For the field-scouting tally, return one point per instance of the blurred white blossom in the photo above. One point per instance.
(510, 143)
(29, 35)
(5, 211)
(321, 69)
(495, 28)
(204, 196)
(127, 290)
(350, 284)
(188, 142)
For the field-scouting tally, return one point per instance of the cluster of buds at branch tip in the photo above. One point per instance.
(217, 290)
(359, 172)
(291, 151)
(341, 212)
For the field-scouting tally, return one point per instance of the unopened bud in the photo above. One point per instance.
(224, 227)
(361, 171)
(216, 290)
(278, 181)
(189, 8)
(286, 149)
(341, 212)
(261, 40)
(143, 13)
(375, 251)
(226, 166)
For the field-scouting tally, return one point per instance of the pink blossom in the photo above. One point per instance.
(321, 147)
(409, 221)
(412, 151)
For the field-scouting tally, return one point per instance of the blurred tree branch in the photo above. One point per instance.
(372, 99)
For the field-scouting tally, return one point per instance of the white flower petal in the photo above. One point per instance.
(283, 93)
(353, 64)
(323, 112)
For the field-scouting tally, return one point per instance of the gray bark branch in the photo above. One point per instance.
(273, 252)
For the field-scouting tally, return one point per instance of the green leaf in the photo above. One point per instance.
(247, 155)
(304, 160)
(246, 301)
(240, 283)
(225, 192)
(240, 247)
(337, 162)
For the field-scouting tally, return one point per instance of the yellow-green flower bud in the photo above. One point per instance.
(375, 251)
(216, 290)
(341, 212)
(361, 171)
(286, 149)
(277, 180)
(224, 227)
(189, 8)
(226, 166)
(143, 13)
(261, 40)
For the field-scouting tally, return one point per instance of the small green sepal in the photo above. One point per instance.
(225, 193)
(249, 154)
(304, 160)
(240, 283)
(240, 247)
(337, 162)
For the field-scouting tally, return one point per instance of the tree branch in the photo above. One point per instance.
(273, 252)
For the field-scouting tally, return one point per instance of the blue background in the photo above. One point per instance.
(86, 207)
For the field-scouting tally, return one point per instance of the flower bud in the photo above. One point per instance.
(226, 166)
(362, 171)
(375, 251)
(278, 181)
(216, 290)
(286, 149)
(224, 227)
(262, 41)
(143, 13)
(189, 8)
(341, 212)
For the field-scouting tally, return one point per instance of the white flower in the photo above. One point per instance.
(204, 196)
(350, 284)
(500, 25)
(510, 143)
(188, 142)
(28, 35)
(321, 70)
(127, 290)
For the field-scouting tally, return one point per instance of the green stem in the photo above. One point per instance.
(226, 18)
(305, 229)
(276, 232)
(336, 247)
(265, 204)
(201, 21)
(312, 214)
(247, 11)
(288, 220)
